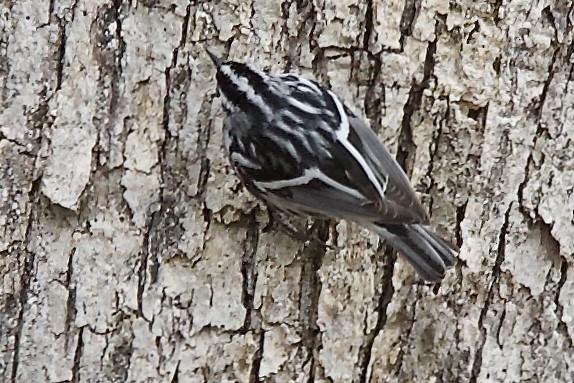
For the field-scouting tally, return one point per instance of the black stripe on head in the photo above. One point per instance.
(258, 83)
(231, 91)
(255, 80)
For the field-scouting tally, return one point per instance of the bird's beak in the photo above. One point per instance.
(216, 60)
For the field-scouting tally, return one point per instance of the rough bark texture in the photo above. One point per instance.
(129, 252)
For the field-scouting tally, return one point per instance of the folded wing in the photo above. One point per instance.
(282, 170)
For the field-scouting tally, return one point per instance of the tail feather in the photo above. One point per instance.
(429, 254)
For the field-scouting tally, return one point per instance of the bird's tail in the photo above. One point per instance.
(429, 254)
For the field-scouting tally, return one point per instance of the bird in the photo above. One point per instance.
(296, 146)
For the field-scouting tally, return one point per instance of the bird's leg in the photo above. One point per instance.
(280, 221)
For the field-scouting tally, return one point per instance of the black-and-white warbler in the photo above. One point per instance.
(295, 145)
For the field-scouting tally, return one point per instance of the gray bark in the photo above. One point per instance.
(129, 251)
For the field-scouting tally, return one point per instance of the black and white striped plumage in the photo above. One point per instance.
(295, 145)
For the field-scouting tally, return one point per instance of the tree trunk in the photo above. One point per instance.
(130, 253)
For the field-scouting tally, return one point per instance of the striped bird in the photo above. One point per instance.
(295, 145)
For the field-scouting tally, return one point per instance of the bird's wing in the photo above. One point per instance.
(400, 205)
(359, 180)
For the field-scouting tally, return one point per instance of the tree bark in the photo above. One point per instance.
(130, 253)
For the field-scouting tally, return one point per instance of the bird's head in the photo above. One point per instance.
(241, 85)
